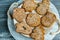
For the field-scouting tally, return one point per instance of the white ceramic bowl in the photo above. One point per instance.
(18, 36)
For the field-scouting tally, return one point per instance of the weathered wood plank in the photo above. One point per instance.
(57, 4)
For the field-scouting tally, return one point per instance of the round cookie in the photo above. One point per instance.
(33, 19)
(19, 14)
(23, 28)
(42, 9)
(38, 33)
(48, 19)
(29, 5)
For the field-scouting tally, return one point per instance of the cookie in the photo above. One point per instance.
(29, 5)
(46, 1)
(23, 28)
(33, 19)
(42, 9)
(19, 14)
(38, 33)
(48, 19)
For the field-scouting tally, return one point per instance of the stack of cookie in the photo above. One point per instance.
(32, 17)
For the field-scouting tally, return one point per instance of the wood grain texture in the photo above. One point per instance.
(4, 32)
(57, 4)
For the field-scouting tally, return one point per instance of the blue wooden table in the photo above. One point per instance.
(57, 4)
(4, 32)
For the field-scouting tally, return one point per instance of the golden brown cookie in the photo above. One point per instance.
(48, 19)
(19, 14)
(42, 9)
(29, 5)
(33, 19)
(38, 33)
(46, 1)
(23, 28)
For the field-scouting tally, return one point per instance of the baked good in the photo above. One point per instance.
(38, 33)
(29, 5)
(46, 1)
(19, 14)
(42, 9)
(33, 19)
(48, 19)
(23, 28)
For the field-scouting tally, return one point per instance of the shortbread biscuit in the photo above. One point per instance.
(46, 1)
(19, 14)
(48, 19)
(33, 19)
(42, 9)
(23, 28)
(38, 33)
(29, 5)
